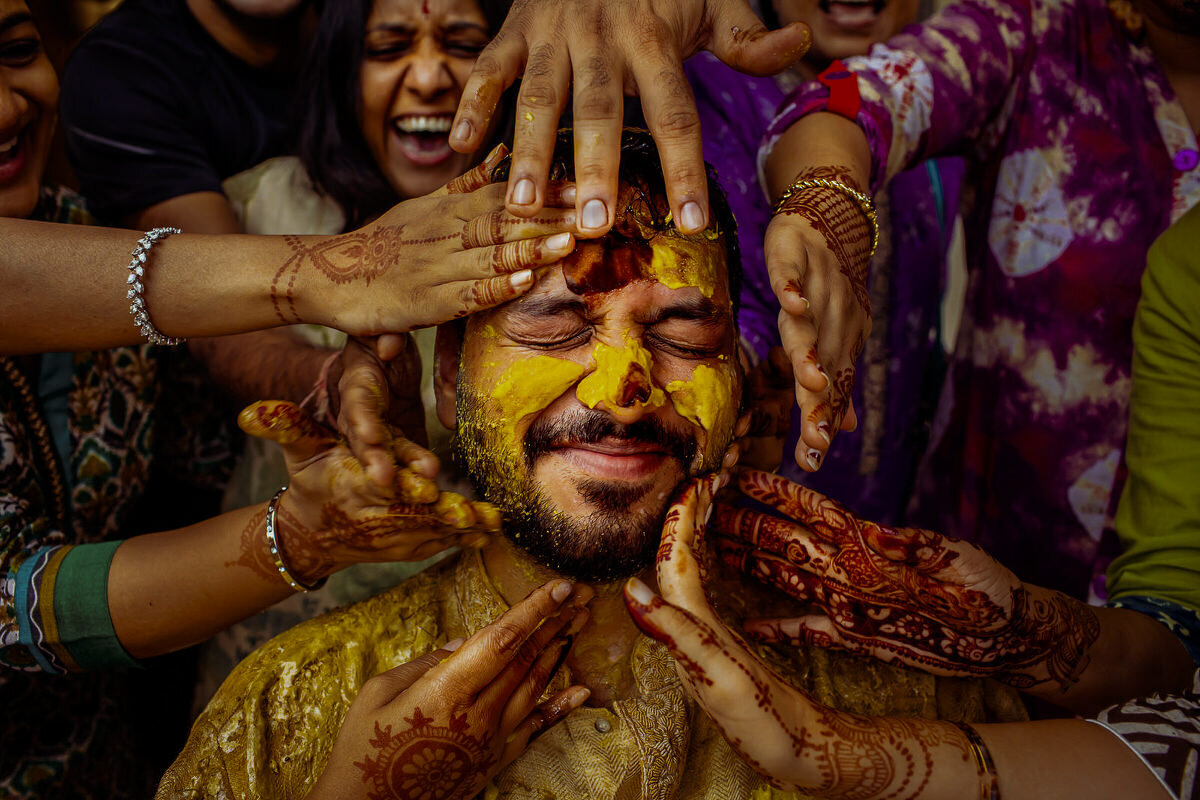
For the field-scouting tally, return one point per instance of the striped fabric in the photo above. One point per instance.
(1164, 730)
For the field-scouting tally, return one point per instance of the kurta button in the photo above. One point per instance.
(603, 726)
(1186, 159)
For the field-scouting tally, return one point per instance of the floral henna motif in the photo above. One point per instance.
(898, 593)
(843, 385)
(362, 255)
(425, 761)
(840, 221)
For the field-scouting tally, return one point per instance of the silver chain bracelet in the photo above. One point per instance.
(137, 272)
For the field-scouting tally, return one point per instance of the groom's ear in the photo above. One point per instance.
(447, 349)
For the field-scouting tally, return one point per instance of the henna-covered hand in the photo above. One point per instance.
(601, 50)
(442, 725)
(333, 515)
(902, 595)
(817, 249)
(768, 395)
(792, 741)
(426, 261)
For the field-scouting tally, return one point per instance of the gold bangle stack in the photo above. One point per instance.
(863, 201)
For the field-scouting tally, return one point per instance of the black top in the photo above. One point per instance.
(154, 108)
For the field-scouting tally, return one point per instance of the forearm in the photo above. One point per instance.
(822, 140)
(1133, 656)
(274, 364)
(176, 588)
(74, 277)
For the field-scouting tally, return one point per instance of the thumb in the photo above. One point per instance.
(477, 177)
(287, 425)
(741, 40)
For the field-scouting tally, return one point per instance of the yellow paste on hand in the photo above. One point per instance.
(614, 366)
(707, 399)
(530, 385)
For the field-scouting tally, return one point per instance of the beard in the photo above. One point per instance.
(616, 540)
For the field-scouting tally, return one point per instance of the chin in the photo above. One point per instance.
(18, 202)
(411, 180)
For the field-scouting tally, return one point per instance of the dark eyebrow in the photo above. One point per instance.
(452, 28)
(545, 305)
(700, 309)
(459, 27)
(12, 21)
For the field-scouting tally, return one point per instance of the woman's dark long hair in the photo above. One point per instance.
(329, 140)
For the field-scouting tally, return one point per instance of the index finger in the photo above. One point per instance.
(671, 115)
(824, 517)
(488, 653)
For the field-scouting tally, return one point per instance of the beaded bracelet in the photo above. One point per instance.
(863, 201)
(989, 781)
(137, 272)
(277, 556)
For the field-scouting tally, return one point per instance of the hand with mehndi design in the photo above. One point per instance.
(333, 515)
(424, 262)
(375, 406)
(600, 50)
(795, 743)
(902, 595)
(816, 249)
(769, 394)
(442, 725)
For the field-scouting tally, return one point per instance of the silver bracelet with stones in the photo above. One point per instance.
(137, 272)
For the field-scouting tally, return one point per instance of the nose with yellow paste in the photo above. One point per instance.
(622, 380)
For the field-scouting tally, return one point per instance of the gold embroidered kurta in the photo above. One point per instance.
(269, 730)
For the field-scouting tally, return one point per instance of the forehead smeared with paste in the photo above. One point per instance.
(644, 245)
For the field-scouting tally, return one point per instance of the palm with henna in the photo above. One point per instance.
(443, 724)
(928, 601)
(796, 743)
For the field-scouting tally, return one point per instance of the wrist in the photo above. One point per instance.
(296, 557)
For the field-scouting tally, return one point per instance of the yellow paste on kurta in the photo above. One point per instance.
(615, 367)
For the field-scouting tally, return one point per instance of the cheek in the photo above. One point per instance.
(709, 399)
(376, 87)
(528, 387)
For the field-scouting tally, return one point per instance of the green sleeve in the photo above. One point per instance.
(1158, 519)
(84, 624)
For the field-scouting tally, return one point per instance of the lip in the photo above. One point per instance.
(424, 144)
(12, 163)
(852, 17)
(614, 459)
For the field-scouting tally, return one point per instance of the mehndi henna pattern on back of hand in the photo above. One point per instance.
(425, 761)
(361, 255)
(841, 223)
(902, 594)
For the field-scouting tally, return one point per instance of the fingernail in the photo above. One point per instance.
(561, 592)
(813, 457)
(453, 644)
(823, 431)
(559, 241)
(708, 514)
(521, 280)
(595, 214)
(578, 696)
(639, 591)
(692, 217)
(731, 457)
(577, 622)
(462, 131)
(568, 195)
(523, 192)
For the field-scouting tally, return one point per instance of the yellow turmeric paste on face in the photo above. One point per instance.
(707, 399)
(677, 263)
(531, 384)
(615, 368)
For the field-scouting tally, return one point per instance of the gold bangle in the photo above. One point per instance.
(864, 202)
(989, 781)
(277, 556)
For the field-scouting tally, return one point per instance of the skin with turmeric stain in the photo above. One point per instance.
(677, 262)
(705, 399)
(622, 377)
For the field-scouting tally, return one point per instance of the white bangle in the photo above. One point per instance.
(277, 556)
(137, 272)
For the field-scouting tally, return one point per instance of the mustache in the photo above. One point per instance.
(588, 426)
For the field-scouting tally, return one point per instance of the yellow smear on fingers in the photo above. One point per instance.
(530, 385)
(676, 263)
(608, 380)
(707, 399)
